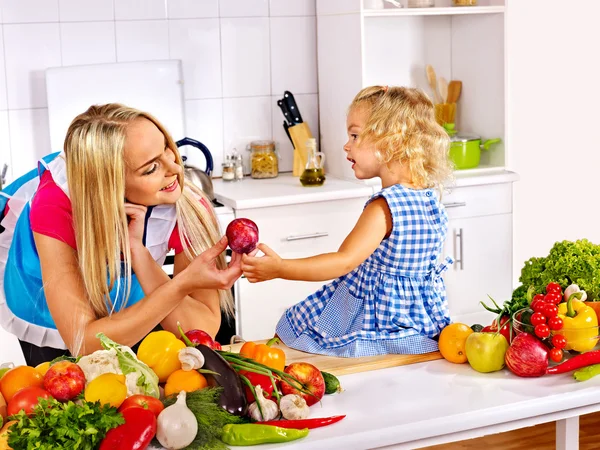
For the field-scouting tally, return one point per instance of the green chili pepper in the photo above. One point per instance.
(254, 434)
(586, 373)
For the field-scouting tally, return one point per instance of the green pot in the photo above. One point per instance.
(465, 149)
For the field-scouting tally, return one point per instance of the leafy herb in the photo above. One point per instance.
(129, 363)
(211, 417)
(64, 358)
(63, 425)
(568, 262)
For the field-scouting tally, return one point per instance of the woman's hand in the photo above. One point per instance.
(202, 272)
(264, 268)
(136, 215)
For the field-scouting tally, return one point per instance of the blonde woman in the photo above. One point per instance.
(85, 234)
(388, 295)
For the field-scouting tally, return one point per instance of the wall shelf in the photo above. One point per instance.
(449, 11)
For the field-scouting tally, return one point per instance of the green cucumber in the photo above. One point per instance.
(332, 384)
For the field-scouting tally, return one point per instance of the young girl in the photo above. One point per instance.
(388, 295)
(84, 236)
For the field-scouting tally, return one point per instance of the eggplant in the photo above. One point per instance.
(233, 398)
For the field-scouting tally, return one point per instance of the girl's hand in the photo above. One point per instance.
(202, 272)
(136, 215)
(264, 268)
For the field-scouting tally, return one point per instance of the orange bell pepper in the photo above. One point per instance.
(265, 354)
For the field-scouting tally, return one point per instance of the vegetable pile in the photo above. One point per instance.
(174, 393)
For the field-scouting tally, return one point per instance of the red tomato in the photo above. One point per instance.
(559, 341)
(542, 331)
(537, 318)
(143, 401)
(553, 287)
(26, 399)
(553, 297)
(538, 304)
(556, 354)
(555, 323)
(550, 310)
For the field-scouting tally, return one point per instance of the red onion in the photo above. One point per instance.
(527, 356)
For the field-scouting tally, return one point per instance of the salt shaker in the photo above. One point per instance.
(228, 169)
(238, 162)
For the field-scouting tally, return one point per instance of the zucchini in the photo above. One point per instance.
(332, 384)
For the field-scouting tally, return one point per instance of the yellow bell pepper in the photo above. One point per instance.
(580, 325)
(160, 351)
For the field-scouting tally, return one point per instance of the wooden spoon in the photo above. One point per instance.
(454, 89)
(443, 86)
(431, 78)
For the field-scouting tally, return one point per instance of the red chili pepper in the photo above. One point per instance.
(577, 362)
(136, 433)
(304, 423)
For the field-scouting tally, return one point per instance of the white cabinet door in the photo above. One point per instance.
(482, 249)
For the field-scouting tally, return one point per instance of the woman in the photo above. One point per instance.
(86, 233)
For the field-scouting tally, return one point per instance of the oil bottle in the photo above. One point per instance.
(313, 174)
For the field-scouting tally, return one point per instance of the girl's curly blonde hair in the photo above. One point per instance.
(401, 125)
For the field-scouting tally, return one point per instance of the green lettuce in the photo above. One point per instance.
(129, 363)
(567, 263)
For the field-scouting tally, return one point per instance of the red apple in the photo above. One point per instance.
(201, 337)
(310, 376)
(242, 235)
(64, 380)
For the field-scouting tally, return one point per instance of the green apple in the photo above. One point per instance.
(485, 351)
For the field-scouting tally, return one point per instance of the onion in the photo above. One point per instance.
(527, 356)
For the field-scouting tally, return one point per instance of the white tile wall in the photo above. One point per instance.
(236, 64)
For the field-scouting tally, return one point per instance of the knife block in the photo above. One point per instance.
(299, 133)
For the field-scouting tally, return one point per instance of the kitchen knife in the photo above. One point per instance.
(286, 127)
(286, 113)
(292, 106)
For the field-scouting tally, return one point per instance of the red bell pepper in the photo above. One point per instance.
(304, 423)
(257, 379)
(505, 328)
(135, 434)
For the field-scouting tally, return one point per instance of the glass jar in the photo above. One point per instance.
(228, 169)
(464, 2)
(264, 159)
(421, 3)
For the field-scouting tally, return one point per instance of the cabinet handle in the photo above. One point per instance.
(455, 204)
(459, 236)
(307, 236)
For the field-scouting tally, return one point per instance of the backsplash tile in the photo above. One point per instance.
(29, 11)
(5, 156)
(192, 9)
(87, 43)
(86, 10)
(244, 8)
(293, 70)
(140, 9)
(197, 43)
(233, 52)
(29, 49)
(142, 40)
(246, 57)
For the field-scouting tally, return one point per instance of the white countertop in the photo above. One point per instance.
(403, 405)
(287, 190)
(284, 190)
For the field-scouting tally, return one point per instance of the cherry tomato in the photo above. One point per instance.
(550, 310)
(553, 287)
(26, 399)
(142, 401)
(542, 331)
(537, 304)
(556, 354)
(555, 323)
(537, 318)
(559, 341)
(553, 297)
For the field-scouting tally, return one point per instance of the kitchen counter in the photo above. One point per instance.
(284, 190)
(438, 402)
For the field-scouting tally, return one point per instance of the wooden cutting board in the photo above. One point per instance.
(345, 366)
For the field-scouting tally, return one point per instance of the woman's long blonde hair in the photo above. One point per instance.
(96, 178)
(401, 125)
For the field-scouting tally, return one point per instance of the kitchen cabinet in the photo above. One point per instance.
(296, 222)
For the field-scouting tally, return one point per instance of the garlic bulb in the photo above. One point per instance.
(269, 408)
(191, 358)
(293, 407)
(176, 426)
(572, 289)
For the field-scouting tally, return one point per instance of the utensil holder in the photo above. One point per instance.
(300, 133)
(445, 113)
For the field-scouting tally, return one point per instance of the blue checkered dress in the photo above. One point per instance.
(394, 302)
